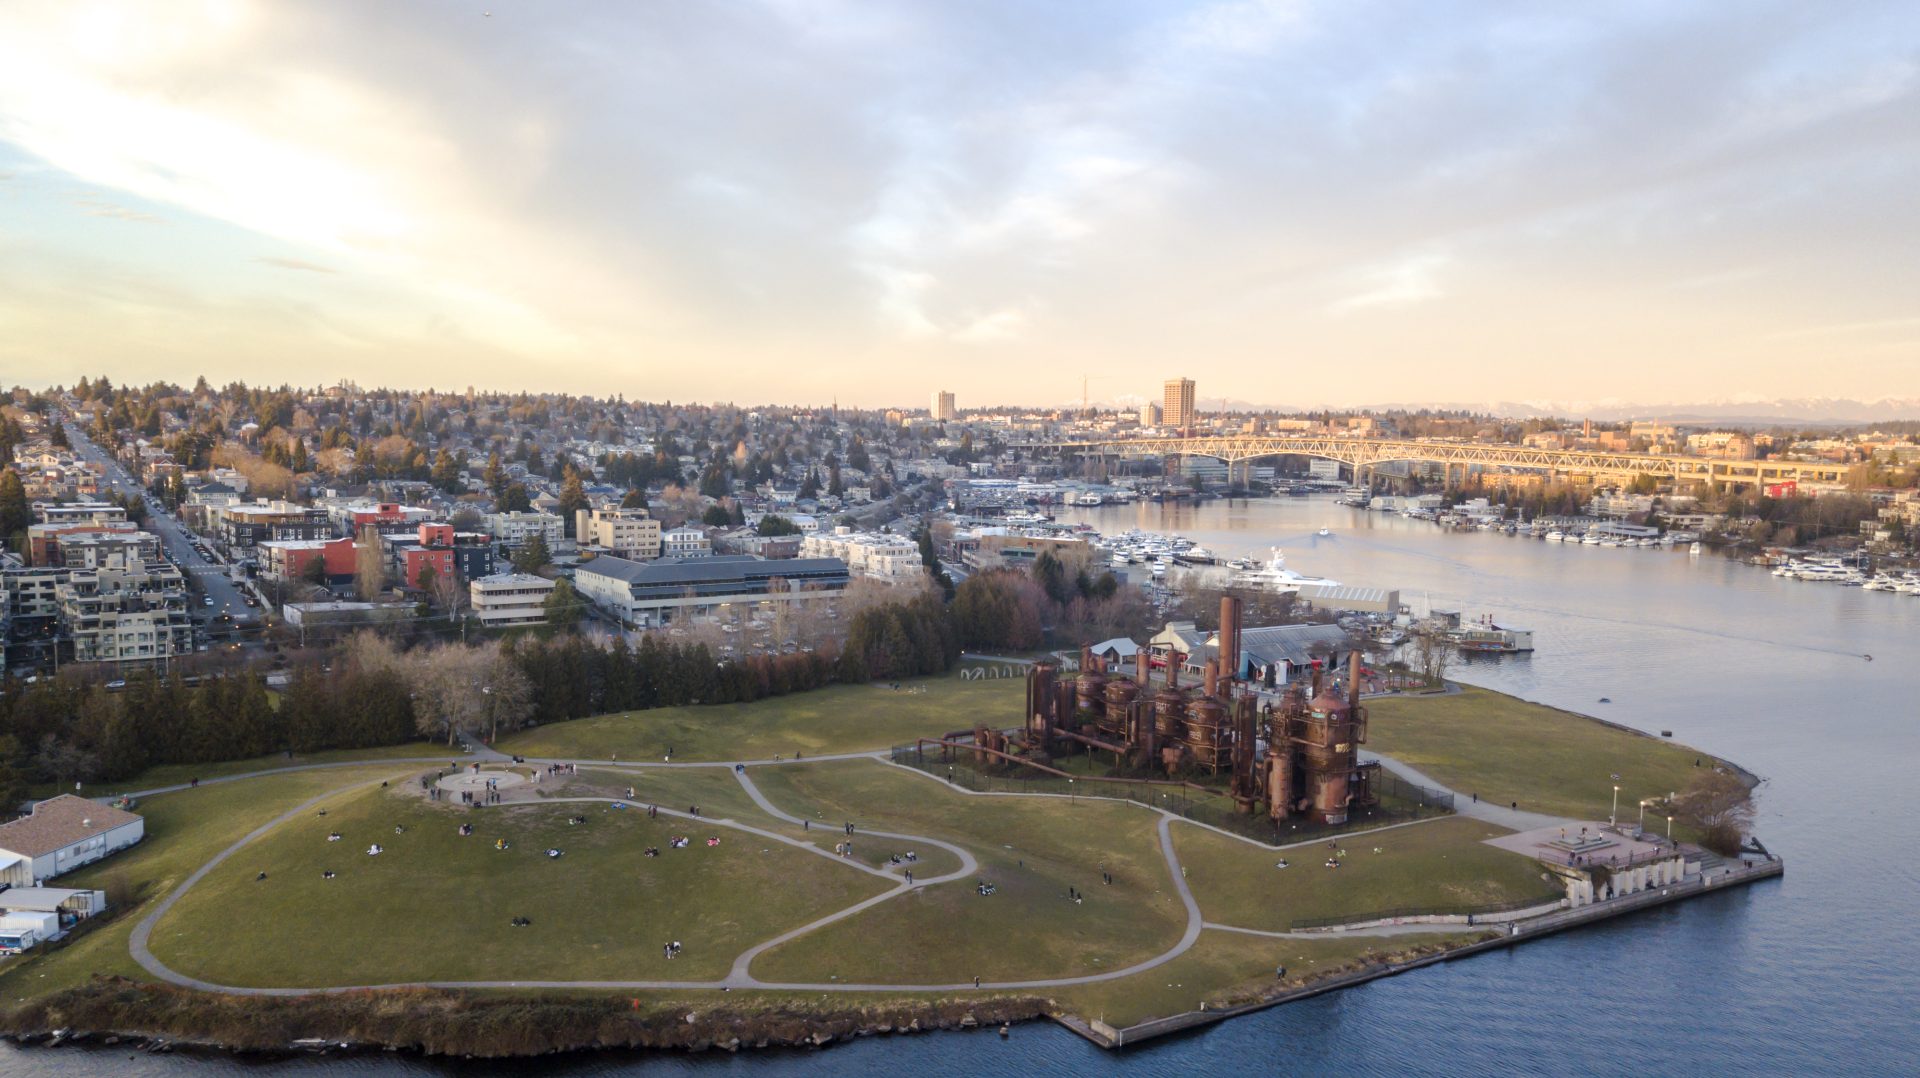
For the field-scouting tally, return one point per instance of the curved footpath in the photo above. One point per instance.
(740, 975)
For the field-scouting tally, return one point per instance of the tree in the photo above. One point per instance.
(15, 512)
(446, 471)
(1719, 805)
(563, 606)
(314, 571)
(506, 694)
(58, 435)
(369, 565)
(446, 684)
(515, 499)
(573, 498)
(775, 525)
(532, 555)
(634, 499)
(716, 516)
(495, 476)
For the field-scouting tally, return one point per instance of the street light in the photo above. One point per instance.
(1072, 799)
(1613, 817)
(1642, 824)
(1669, 829)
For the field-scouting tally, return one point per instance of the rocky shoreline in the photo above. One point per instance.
(156, 1018)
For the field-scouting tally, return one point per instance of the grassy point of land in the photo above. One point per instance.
(1506, 749)
(1032, 849)
(838, 719)
(1228, 968)
(438, 906)
(1437, 864)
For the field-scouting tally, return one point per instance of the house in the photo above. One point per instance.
(1116, 651)
(61, 834)
(1270, 656)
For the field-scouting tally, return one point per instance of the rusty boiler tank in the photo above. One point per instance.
(1090, 688)
(1170, 708)
(1327, 753)
(1205, 717)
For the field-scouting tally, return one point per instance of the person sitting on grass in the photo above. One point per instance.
(333, 836)
(326, 874)
(553, 851)
(376, 850)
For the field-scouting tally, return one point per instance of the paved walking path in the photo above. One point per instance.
(1464, 803)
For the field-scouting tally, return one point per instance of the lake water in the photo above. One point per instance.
(1816, 973)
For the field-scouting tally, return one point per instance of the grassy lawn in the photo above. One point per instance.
(1439, 864)
(437, 906)
(1032, 849)
(1227, 968)
(1506, 749)
(842, 718)
(184, 830)
(176, 774)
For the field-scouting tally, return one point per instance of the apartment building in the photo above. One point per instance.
(243, 526)
(886, 557)
(624, 533)
(126, 616)
(686, 543)
(515, 529)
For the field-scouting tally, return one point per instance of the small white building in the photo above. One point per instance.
(510, 599)
(61, 834)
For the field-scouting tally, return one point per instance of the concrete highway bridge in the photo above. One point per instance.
(1364, 454)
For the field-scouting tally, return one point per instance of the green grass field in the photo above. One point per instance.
(842, 718)
(437, 906)
(1441, 864)
(184, 830)
(1506, 750)
(1032, 849)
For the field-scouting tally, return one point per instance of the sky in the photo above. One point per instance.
(800, 201)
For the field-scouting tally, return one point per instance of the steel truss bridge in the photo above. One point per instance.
(1364, 454)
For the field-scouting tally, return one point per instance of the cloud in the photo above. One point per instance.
(1414, 279)
(296, 264)
(816, 196)
(94, 207)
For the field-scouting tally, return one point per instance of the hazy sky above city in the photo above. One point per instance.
(793, 200)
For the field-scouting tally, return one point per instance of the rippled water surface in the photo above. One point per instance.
(1816, 973)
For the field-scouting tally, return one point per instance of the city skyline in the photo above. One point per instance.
(784, 202)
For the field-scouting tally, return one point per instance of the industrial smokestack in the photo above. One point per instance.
(1230, 618)
(1140, 668)
(1210, 679)
(1353, 682)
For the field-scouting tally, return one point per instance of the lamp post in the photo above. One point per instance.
(1072, 798)
(1642, 824)
(1613, 816)
(1669, 829)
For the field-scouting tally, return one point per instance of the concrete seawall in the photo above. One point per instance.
(1107, 1036)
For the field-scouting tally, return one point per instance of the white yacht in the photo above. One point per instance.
(1556, 537)
(1275, 576)
(1694, 550)
(1324, 532)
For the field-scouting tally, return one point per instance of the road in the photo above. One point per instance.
(209, 578)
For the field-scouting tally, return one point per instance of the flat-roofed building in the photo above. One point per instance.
(661, 593)
(510, 599)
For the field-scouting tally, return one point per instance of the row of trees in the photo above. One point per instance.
(367, 692)
(1008, 609)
